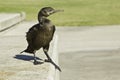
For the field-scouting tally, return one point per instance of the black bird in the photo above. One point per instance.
(41, 34)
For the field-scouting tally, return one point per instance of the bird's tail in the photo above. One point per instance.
(22, 52)
(28, 50)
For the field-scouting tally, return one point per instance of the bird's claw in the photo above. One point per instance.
(56, 66)
(48, 60)
(36, 62)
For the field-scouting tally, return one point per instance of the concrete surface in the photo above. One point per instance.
(16, 66)
(86, 53)
(89, 53)
(9, 19)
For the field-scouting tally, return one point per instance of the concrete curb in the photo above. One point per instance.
(53, 73)
(9, 19)
(20, 66)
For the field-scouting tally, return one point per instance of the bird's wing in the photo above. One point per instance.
(53, 30)
(31, 34)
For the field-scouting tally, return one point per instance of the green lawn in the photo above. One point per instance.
(76, 12)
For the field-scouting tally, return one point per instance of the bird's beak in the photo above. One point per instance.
(58, 11)
(55, 11)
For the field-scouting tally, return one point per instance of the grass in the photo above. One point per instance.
(76, 12)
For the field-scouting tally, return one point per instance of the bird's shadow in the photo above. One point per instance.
(27, 58)
(31, 58)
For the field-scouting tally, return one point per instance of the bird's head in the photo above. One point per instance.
(47, 11)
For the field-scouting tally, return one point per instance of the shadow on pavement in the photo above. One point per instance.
(25, 57)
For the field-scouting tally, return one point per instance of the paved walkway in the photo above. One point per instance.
(16, 66)
(90, 53)
(9, 19)
(85, 53)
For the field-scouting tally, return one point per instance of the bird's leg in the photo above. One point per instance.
(35, 60)
(50, 60)
(48, 57)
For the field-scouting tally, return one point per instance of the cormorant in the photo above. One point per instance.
(41, 34)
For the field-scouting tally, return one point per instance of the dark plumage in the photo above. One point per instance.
(41, 34)
(39, 37)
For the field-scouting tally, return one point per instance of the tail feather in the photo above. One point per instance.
(28, 50)
(22, 52)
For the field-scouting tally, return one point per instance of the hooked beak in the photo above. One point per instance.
(58, 11)
(55, 11)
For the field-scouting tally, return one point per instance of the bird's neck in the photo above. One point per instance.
(41, 18)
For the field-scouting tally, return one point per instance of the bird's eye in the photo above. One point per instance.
(45, 11)
(50, 10)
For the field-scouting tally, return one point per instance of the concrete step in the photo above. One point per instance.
(9, 19)
(16, 66)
